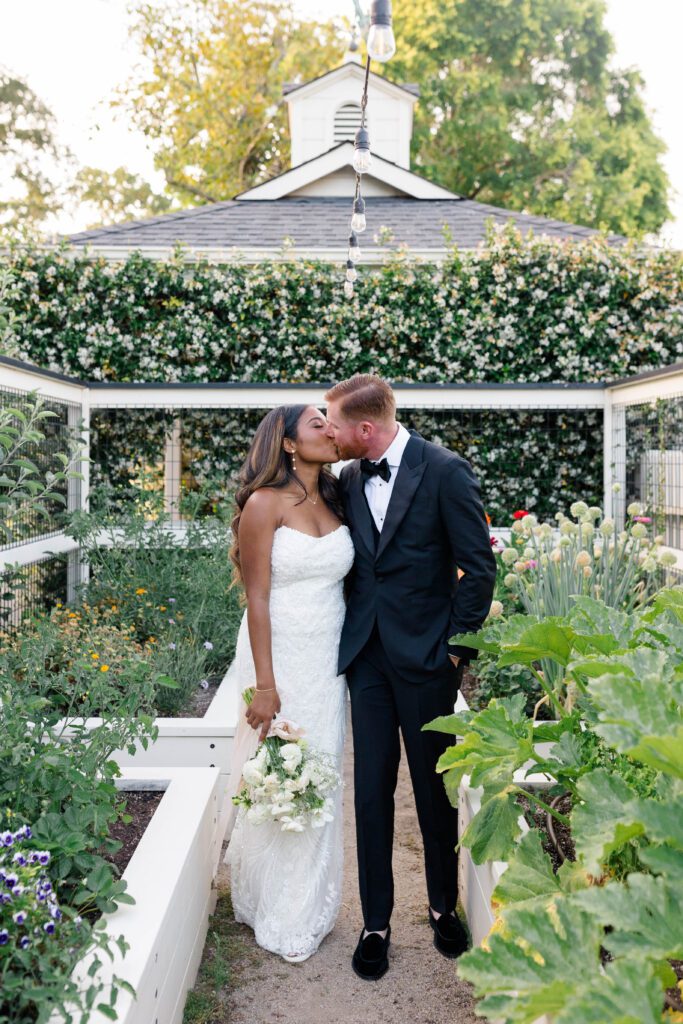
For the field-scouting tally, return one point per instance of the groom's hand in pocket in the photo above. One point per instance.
(263, 708)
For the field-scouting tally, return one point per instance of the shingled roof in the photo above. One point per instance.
(322, 224)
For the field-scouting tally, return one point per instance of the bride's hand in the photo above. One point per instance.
(264, 706)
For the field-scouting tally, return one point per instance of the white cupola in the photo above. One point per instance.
(324, 116)
(326, 112)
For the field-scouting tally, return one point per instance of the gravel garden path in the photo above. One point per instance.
(240, 983)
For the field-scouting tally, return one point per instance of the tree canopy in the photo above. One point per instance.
(27, 147)
(520, 107)
(209, 96)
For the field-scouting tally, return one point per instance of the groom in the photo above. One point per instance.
(416, 517)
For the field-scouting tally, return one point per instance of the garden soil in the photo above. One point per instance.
(421, 986)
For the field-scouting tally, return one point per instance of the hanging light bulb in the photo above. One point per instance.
(354, 249)
(381, 42)
(348, 289)
(358, 219)
(362, 159)
(351, 272)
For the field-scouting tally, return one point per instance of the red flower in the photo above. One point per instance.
(520, 514)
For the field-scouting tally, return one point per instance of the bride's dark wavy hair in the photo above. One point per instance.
(268, 465)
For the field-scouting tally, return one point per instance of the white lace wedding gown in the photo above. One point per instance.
(287, 885)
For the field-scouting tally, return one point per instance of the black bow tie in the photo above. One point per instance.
(381, 468)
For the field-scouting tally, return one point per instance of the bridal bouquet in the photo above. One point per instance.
(286, 782)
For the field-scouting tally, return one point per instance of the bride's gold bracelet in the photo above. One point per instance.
(271, 690)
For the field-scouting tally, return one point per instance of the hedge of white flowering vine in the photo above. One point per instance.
(517, 310)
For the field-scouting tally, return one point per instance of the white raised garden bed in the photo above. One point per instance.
(171, 876)
(204, 742)
(476, 882)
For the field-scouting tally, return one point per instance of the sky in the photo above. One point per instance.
(74, 54)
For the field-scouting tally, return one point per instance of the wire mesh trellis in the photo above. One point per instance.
(538, 459)
(58, 430)
(649, 462)
(32, 588)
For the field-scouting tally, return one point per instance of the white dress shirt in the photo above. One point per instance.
(378, 491)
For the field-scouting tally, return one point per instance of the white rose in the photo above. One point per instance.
(251, 774)
(271, 783)
(291, 754)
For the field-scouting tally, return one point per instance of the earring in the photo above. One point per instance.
(293, 461)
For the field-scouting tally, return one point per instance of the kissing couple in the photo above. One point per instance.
(357, 581)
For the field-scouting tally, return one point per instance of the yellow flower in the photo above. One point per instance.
(72, 615)
(94, 655)
(114, 607)
(104, 668)
(162, 607)
(141, 590)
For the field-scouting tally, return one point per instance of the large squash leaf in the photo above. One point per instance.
(606, 818)
(539, 964)
(646, 915)
(529, 879)
(640, 710)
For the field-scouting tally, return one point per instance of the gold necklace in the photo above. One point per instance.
(311, 499)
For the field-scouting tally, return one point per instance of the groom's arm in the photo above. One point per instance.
(463, 518)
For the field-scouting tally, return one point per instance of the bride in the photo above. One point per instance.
(291, 553)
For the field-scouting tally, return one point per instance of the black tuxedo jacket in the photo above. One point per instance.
(435, 524)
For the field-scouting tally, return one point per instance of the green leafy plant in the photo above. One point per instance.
(596, 940)
(167, 589)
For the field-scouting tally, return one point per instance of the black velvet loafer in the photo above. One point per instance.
(370, 961)
(450, 938)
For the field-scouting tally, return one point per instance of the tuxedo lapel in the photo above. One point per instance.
(408, 478)
(360, 513)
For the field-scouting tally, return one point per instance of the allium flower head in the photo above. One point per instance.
(579, 508)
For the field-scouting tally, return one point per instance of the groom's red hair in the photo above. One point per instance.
(364, 397)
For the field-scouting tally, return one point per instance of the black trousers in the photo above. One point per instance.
(381, 704)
